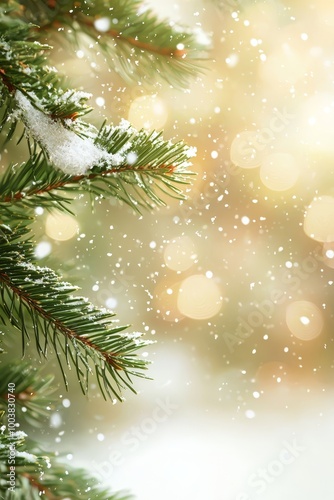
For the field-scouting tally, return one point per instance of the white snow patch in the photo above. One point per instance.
(191, 152)
(27, 456)
(67, 151)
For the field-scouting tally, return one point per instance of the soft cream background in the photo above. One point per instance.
(242, 232)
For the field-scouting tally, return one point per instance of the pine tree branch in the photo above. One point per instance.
(138, 45)
(38, 474)
(157, 167)
(52, 119)
(35, 301)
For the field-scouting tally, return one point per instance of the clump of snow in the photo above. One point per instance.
(67, 151)
(191, 152)
(131, 157)
(27, 456)
(77, 154)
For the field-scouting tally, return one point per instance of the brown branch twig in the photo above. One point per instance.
(118, 35)
(77, 178)
(39, 486)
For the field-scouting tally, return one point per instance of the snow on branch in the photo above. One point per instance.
(67, 151)
(111, 149)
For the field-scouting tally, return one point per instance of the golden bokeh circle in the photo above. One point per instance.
(199, 297)
(304, 319)
(319, 219)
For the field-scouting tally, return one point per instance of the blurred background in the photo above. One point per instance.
(234, 284)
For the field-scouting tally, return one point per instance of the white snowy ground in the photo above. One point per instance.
(184, 439)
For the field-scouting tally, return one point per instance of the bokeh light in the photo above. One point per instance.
(180, 254)
(279, 171)
(319, 219)
(42, 249)
(246, 150)
(166, 297)
(328, 254)
(304, 319)
(199, 297)
(61, 227)
(316, 122)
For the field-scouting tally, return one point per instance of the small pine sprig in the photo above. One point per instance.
(38, 474)
(42, 307)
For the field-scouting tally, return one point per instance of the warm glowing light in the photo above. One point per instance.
(304, 320)
(102, 24)
(199, 297)
(319, 219)
(246, 150)
(279, 171)
(61, 227)
(232, 60)
(328, 254)
(180, 254)
(315, 124)
(148, 112)
(165, 298)
(100, 101)
(42, 249)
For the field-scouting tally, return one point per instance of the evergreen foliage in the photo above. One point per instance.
(139, 168)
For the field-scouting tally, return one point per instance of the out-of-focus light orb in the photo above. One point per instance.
(100, 101)
(102, 24)
(279, 171)
(328, 254)
(55, 420)
(111, 303)
(199, 297)
(180, 254)
(315, 123)
(319, 219)
(304, 320)
(165, 300)
(42, 249)
(148, 112)
(61, 227)
(246, 151)
(232, 60)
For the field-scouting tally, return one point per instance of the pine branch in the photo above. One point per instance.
(117, 158)
(38, 475)
(138, 45)
(33, 394)
(157, 168)
(35, 301)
